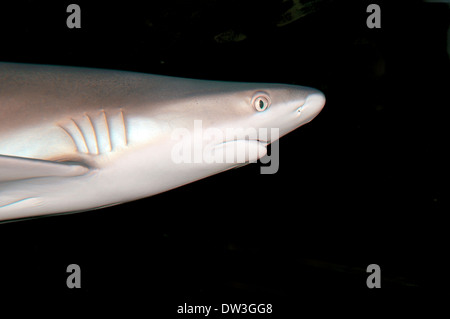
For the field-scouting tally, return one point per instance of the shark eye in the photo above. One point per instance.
(261, 102)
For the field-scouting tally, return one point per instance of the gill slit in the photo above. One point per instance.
(71, 137)
(124, 127)
(107, 130)
(95, 134)
(82, 135)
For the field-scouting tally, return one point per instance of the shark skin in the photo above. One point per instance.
(75, 139)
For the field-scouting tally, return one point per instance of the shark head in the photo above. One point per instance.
(243, 118)
(280, 107)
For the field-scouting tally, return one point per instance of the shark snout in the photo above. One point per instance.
(314, 103)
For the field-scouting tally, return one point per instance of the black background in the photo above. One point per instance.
(361, 184)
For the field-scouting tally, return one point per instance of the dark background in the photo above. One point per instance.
(361, 184)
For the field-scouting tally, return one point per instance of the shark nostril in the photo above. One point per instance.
(299, 110)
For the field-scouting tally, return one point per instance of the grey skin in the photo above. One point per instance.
(75, 139)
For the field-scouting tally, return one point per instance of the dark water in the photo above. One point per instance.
(361, 184)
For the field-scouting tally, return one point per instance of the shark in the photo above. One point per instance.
(75, 139)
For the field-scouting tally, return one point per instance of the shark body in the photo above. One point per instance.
(75, 139)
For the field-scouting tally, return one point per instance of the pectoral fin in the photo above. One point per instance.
(17, 168)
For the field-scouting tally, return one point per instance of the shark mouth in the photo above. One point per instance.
(239, 151)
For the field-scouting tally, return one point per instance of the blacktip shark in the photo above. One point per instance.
(75, 139)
